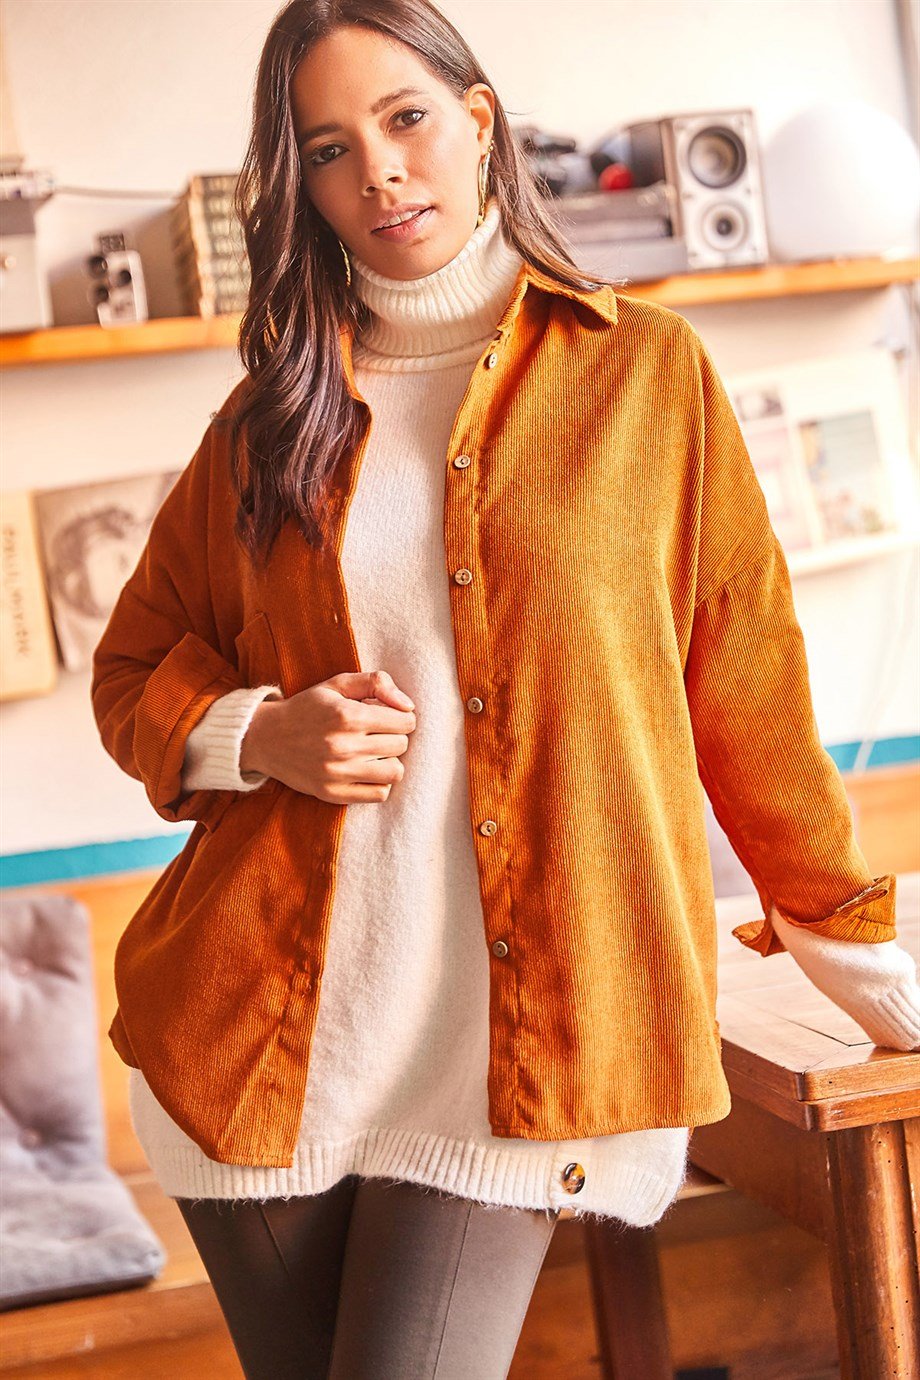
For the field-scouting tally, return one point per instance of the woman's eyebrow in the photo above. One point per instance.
(380, 104)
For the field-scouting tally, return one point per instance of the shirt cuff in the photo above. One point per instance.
(212, 748)
(867, 918)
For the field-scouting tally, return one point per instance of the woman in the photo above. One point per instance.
(403, 1234)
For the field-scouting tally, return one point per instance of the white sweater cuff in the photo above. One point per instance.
(875, 984)
(212, 748)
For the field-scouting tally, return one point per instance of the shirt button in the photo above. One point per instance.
(488, 826)
(462, 576)
(474, 705)
(573, 1178)
(500, 948)
(461, 461)
(30, 1138)
(491, 360)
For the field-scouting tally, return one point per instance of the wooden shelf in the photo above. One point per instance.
(165, 334)
(777, 280)
(172, 334)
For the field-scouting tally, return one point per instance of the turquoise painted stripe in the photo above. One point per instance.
(135, 855)
(887, 752)
(89, 860)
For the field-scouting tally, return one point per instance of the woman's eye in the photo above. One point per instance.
(318, 162)
(413, 111)
(315, 158)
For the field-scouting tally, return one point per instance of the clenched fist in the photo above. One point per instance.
(340, 740)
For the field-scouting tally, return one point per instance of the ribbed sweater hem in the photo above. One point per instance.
(635, 1192)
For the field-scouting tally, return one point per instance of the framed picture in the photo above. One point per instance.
(91, 538)
(828, 439)
(28, 657)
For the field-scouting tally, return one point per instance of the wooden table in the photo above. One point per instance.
(825, 1129)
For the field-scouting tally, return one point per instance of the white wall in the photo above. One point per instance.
(135, 96)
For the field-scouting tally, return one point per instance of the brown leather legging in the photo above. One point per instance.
(372, 1280)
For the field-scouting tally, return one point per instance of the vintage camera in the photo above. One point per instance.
(117, 289)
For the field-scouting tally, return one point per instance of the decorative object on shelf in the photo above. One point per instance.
(625, 234)
(25, 299)
(560, 167)
(91, 538)
(712, 161)
(843, 180)
(117, 288)
(684, 194)
(28, 659)
(828, 439)
(209, 246)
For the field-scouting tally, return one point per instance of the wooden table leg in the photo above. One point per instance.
(871, 1230)
(629, 1314)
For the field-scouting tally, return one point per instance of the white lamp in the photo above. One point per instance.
(841, 180)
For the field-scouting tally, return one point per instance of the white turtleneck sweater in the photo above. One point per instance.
(398, 1067)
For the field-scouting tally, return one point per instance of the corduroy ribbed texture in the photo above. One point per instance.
(399, 1059)
(623, 611)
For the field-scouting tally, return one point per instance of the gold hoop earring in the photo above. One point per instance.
(347, 264)
(484, 183)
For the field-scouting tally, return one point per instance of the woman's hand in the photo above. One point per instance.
(340, 740)
(875, 984)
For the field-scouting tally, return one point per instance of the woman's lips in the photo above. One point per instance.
(408, 229)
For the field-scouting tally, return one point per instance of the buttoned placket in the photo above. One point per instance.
(482, 748)
(475, 661)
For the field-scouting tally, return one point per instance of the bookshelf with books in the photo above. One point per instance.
(75, 344)
(209, 247)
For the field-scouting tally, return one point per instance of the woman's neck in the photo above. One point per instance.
(453, 309)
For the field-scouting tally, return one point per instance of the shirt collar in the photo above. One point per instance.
(603, 303)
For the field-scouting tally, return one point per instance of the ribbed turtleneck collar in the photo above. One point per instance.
(450, 311)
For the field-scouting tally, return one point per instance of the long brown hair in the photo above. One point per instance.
(298, 413)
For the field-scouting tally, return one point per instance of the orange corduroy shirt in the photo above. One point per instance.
(625, 636)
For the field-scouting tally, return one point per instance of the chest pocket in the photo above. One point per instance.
(256, 653)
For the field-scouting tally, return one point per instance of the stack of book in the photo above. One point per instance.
(209, 247)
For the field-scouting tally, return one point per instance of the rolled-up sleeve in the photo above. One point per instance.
(157, 667)
(775, 790)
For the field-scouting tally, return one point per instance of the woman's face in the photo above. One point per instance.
(380, 148)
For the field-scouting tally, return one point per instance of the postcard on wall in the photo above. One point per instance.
(829, 441)
(28, 657)
(92, 536)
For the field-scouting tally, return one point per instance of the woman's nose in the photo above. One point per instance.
(379, 169)
(374, 183)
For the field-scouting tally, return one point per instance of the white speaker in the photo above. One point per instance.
(711, 160)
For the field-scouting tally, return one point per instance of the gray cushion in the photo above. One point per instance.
(68, 1223)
